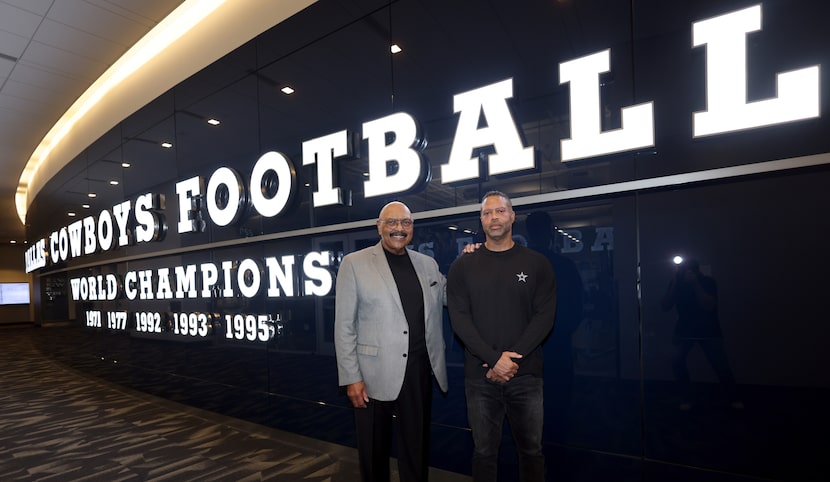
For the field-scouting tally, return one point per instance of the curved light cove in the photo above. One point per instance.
(193, 36)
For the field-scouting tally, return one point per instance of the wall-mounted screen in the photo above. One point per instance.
(14, 293)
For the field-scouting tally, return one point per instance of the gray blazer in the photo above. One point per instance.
(370, 329)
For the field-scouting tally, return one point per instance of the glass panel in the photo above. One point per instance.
(732, 336)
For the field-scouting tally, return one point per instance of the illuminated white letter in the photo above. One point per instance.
(587, 138)
(122, 215)
(149, 222)
(112, 287)
(726, 80)
(247, 277)
(129, 285)
(63, 244)
(54, 252)
(84, 289)
(75, 230)
(278, 164)
(500, 133)
(236, 199)
(313, 270)
(164, 292)
(105, 230)
(90, 242)
(145, 284)
(227, 286)
(210, 275)
(92, 286)
(186, 281)
(408, 174)
(189, 219)
(280, 276)
(322, 151)
(75, 285)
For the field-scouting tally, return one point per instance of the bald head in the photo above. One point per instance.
(395, 206)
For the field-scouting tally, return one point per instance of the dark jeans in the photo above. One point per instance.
(488, 403)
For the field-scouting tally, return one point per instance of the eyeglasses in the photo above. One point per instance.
(392, 222)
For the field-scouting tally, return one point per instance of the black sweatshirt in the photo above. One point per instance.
(502, 301)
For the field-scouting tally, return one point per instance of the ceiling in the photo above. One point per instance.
(51, 51)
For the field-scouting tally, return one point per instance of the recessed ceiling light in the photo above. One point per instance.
(70, 214)
(213, 122)
(113, 182)
(395, 48)
(92, 194)
(85, 206)
(13, 241)
(166, 145)
(287, 90)
(125, 164)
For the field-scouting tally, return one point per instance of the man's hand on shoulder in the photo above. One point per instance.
(470, 248)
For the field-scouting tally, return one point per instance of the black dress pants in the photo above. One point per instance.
(413, 411)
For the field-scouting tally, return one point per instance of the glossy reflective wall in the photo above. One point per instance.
(710, 369)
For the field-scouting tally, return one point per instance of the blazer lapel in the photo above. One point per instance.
(381, 265)
(421, 271)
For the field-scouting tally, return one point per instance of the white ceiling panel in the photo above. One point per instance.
(10, 125)
(37, 76)
(31, 92)
(12, 44)
(38, 7)
(59, 61)
(6, 67)
(103, 23)
(21, 105)
(18, 21)
(71, 39)
(149, 12)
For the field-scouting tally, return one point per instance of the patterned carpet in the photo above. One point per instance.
(58, 424)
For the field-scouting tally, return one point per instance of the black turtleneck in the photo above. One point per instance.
(412, 299)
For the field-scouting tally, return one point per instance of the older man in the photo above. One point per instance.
(388, 340)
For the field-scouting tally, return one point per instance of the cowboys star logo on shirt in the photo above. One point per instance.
(522, 277)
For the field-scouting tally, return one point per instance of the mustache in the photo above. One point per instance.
(398, 233)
